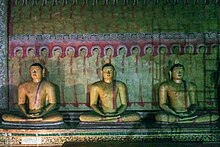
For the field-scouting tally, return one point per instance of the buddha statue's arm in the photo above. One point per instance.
(193, 99)
(50, 107)
(52, 101)
(163, 100)
(22, 100)
(123, 98)
(94, 100)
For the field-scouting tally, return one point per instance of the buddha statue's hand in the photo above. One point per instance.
(42, 113)
(110, 114)
(37, 115)
(34, 115)
(182, 114)
(29, 115)
(192, 109)
(190, 113)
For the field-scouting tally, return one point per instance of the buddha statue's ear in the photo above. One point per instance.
(101, 74)
(170, 75)
(44, 72)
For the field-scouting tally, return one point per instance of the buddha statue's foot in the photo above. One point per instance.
(207, 118)
(50, 118)
(132, 117)
(200, 118)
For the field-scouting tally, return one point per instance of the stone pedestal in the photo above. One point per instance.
(72, 131)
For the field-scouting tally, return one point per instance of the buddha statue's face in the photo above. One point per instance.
(19, 53)
(36, 73)
(31, 52)
(177, 73)
(108, 72)
(149, 50)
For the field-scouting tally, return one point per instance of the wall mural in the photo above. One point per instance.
(111, 16)
(142, 61)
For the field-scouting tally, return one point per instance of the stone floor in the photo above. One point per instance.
(142, 144)
(147, 132)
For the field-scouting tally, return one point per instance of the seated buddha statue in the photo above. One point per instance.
(108, 99)
(36, 100)
(177, 99)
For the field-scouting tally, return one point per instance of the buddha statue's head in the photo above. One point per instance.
(108, 72)
(36, 72)
(177, 72)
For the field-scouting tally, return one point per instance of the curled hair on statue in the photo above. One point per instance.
(108, 64)
(37, 64)
(176, 65)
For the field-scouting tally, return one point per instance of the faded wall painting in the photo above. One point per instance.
(73, 39)
(73, 62)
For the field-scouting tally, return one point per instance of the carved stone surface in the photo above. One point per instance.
(74, 131)
(3, 55)
(60, 136)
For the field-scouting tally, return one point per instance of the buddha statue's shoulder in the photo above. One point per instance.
(190, 85)
(120, 83)
(166, 84)
(43, 82)
(25, 84)
(97, 84)
(48, 83)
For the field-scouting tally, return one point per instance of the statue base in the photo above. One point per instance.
(19, 119)
(32, 124)
(72, 131)
(110, 125)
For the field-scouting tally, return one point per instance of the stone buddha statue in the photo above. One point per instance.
(108, 99)
(177, 99)
(36, 100)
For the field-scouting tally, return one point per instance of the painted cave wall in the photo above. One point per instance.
(142, 40)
